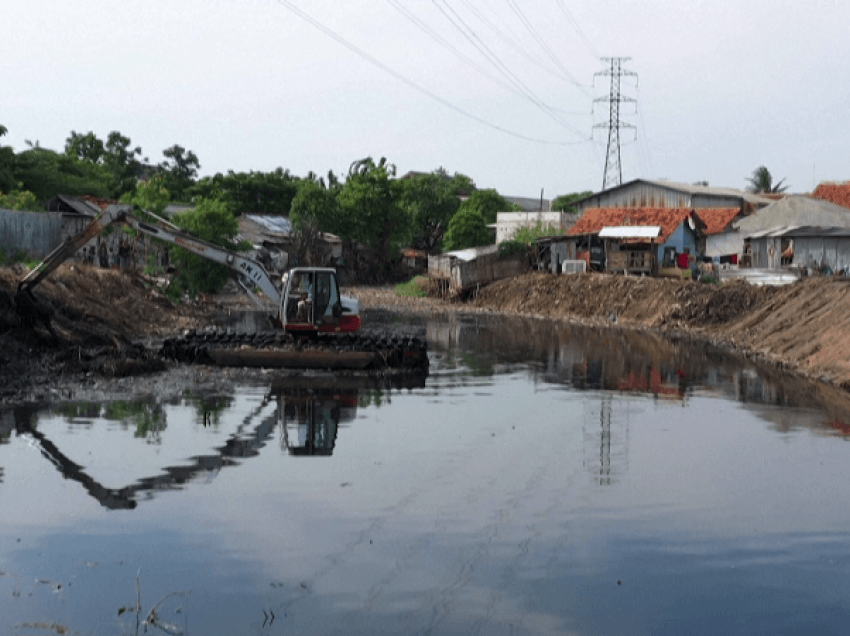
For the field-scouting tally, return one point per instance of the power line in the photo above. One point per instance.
(525, 21)
(510, 42)
(613, 168)
(577, 28)
(374, 61)
(460, 24)
(423, 26)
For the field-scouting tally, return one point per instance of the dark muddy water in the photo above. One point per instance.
(541, 480)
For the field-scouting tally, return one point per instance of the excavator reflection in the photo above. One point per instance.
(308, 413)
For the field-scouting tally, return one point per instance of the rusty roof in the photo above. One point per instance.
(594, 219)
(834, 192)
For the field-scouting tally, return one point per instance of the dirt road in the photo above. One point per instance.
(99, 314)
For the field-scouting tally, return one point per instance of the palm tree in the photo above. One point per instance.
(762, 181)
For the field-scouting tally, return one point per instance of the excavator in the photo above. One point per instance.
(309, 307)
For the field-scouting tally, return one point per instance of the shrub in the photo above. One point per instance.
(415, 287)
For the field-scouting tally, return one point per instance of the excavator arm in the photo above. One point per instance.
(163, 230)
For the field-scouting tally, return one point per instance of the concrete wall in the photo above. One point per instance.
(507, 223)
(37, 232)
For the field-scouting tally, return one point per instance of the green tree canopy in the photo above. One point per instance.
(369, 210)
(488, 203)
(119, 160)
(212, 221)
(7, 165)
(252, 192)
(563, 203)
(468, 228)
(430, 201)
(179, 170)
(47, 173)
(762, 182)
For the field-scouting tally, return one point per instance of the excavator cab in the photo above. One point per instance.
(310, 300)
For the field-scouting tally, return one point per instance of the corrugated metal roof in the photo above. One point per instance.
(691, 189)
(800, 231)
(277, 224)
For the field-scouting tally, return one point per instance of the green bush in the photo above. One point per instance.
(21, 256)
(416, 287)
(514, 246)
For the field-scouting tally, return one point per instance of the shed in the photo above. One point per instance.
(461, 270)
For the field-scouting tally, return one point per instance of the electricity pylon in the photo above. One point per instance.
(613, 169)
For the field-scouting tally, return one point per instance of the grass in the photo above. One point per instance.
(415, 287)
(21, 256)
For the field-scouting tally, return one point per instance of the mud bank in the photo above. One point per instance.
(802, 328)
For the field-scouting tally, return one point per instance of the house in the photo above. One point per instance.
(665, 231)
(652, 193)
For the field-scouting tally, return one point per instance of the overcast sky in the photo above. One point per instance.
(499, 90)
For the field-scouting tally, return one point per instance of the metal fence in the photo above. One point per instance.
(36, 232)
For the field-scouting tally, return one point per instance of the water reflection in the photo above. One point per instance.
(636, 362)
(307, 413)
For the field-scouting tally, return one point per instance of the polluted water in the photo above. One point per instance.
(541, 478)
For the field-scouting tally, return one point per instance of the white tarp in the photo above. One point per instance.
(631, 232)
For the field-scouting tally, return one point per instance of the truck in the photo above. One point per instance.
(308, 307)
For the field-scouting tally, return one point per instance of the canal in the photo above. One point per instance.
(542, 479)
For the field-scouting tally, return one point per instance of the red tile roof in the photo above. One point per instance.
(594, 219)
(837, 193)
(717, 219)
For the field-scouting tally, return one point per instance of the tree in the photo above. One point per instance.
(762, 181)
(47, 173)
(20, 200)
(84, 147)
(468, 228)
(179, 170)
(116, 156)
(314, 208)
(430, 201)
(369, 211)
(211, 221)
(122, 162)
(488, 203)
(7, 165)
(267, 193)
(563, 203)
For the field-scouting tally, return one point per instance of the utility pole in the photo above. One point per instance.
(613, 169)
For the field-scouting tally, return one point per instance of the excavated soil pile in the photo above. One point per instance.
(651, 302)
(95, 315)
